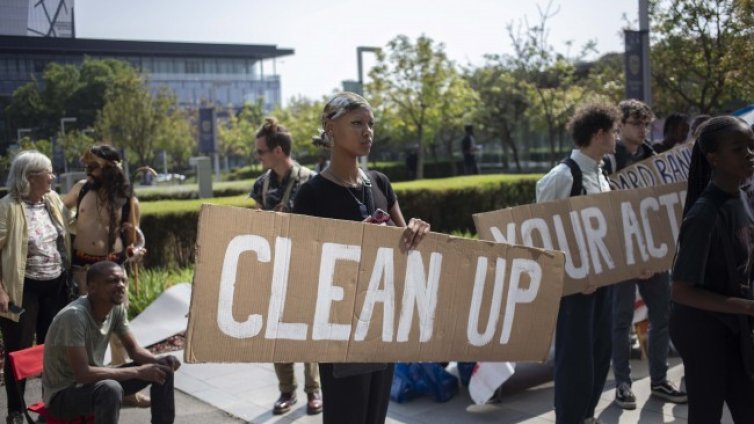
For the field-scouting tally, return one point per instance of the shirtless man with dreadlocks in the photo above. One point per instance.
(106, 227)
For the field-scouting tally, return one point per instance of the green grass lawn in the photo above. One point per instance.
(161, 207)
(177, 206)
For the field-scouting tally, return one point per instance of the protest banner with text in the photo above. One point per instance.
(669, 167)
(275, 287)
(607, 238)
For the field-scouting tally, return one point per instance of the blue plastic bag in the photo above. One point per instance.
(416, 379)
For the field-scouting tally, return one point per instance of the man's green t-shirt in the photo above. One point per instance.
(74, 326)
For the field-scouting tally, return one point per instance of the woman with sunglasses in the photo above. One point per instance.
(355, 393)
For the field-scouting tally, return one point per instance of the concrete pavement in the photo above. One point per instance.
(244, 393)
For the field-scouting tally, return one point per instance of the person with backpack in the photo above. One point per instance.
(106, 227)
(632, 147)
(274, 191)
(582, 335)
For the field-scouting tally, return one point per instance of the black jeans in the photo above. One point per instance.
(711, 354)
(582, 354)
(42, 300)
(103, 400)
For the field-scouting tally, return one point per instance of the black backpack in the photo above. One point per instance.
(577, 188)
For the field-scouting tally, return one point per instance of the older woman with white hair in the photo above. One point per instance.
(34, 246)
(356, 393)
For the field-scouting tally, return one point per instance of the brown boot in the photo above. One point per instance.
(284, 403)
(314, 403)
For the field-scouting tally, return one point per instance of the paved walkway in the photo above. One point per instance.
(244, 393)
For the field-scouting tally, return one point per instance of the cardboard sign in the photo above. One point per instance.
(275, 287)
(607, 238)
(669, 167)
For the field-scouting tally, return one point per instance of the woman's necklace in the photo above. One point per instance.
(363, 210)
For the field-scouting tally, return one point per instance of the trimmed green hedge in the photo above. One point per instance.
(447, 204)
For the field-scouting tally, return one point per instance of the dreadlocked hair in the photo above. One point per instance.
(116, 188)
(708, 138)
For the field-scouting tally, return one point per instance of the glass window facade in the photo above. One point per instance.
(195, 81)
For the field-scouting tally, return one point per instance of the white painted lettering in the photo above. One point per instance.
(276, 328)
(516, 295)
(328, 292)
(472, 327)
(225, 320)
(420, 289)
(383, 271)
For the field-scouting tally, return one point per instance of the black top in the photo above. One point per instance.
(622, 158)
(468, 144)
(275, 190)
(715, 244)
(323, 198)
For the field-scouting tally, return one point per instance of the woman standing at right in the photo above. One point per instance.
(712, 294)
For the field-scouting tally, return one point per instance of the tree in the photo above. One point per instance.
(702, 54)
(302, 118)
(413, 81)
(175, 137)
(457, 107)
(236, 136)
(503, 100)
(550, 76)
(134, 119)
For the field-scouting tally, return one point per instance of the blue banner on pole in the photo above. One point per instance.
(207, 130)
(634, 65)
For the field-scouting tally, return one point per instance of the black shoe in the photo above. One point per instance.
(668, 392)
(15, 417)
(284, 403)
(624, 397)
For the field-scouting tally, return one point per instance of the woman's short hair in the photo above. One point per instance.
(25, 163)
(338, 106)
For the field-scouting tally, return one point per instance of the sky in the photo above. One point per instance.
(325, 34)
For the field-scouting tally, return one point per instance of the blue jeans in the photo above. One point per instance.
(656, 294)
(582, 354)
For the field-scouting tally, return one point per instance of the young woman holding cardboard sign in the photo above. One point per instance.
(713, 306)
(355, 393)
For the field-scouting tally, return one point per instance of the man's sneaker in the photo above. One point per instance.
(624, 397)
(667, 391)
(592, 420)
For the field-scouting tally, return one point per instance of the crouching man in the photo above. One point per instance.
(75, 382)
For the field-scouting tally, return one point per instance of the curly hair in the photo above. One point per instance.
(590, 118)
(276, 135)
(635, 109)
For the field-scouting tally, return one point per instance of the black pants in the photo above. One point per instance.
(42, 300)
(356, 399)
(103, 400)
(582, 354)
(711, 354)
